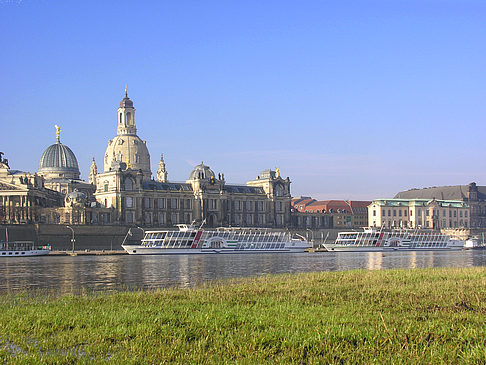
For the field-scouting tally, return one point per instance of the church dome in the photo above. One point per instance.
(201, 171)
(59, 161)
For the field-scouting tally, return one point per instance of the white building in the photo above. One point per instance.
(419, 213)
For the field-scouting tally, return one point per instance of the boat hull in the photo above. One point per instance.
(144, 250)
(338, 248)
(23, 253)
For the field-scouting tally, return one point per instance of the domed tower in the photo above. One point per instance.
(201, 172)
(127, 147)
(58, 161)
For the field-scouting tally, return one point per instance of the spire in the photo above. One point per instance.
(58, 133)
(162, 172)
(93, 171)
(126, 92)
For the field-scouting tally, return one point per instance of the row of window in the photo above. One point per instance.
(160, 203)
(443, 224)
(175, 203)
(435, 212)
(175, 218)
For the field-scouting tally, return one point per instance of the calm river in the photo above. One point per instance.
(66, 274)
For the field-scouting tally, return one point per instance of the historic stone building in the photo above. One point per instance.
(23, 196)
(474, 196)
(419, 213)
(314, 214)
(127, 188)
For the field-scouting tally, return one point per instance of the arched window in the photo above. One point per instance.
(128, 184)
(129, 117)
(121, 120)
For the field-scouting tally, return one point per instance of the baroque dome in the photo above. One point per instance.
(59, 161)
(201, 171)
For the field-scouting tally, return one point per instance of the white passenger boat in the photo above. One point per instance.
(22, 248)
(191, 240)
(393, 240)
(474, 243)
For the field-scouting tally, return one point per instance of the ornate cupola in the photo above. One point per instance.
(126, 148)
(126, 116)
(162, 172)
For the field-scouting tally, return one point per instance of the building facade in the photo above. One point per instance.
(127, 188)
(23, 196)
(419, 213)
(314, 214)
(474, 196)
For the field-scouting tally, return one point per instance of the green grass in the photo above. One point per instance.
(392, 316)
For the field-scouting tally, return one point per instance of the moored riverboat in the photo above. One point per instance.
(22, 248)
(394, 240)
(474, 243)
(191, 240)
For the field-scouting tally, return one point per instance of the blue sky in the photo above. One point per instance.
(350, 99)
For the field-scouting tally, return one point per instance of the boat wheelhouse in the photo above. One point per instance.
(393, 240)
(191, 240)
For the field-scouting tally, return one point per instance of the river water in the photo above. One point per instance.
(78, 274)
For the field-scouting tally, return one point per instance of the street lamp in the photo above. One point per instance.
(143, 230)
(312, 236)
(72, 238)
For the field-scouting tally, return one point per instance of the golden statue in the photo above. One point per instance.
(58, 132)
(277, 171)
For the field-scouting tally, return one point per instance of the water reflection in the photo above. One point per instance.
(65, 274)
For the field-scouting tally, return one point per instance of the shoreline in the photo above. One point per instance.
(433, 315)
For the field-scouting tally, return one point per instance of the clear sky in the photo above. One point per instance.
(350, 99)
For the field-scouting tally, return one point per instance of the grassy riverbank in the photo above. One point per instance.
(399, 316)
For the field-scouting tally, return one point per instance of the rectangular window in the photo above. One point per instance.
(460, 214)
(161, 202)
(248, 205)
(129, 217)
(455, 214)
(374, 213)
(129, 202)
(394, 213)
(260, 206)
(405, 212)
(173, 204)
(465, 214)
(427, 212)
(400, 213)
(146, 203)
(389, 212)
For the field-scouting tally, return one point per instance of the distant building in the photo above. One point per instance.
(419, 213)
(473, 195)
(23, 196)
(310, 213)
(127, 188)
